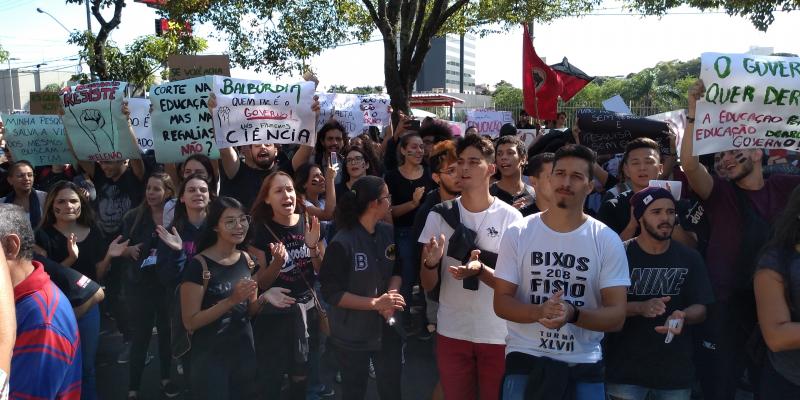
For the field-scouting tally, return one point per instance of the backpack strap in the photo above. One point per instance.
(449, 211)
(250, 263)
(206, 272)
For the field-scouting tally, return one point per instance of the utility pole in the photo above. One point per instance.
(88, 16)
(11, 84)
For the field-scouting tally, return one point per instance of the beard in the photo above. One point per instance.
(562, 204)
(448, 189)
(747, 168)
(658, 235)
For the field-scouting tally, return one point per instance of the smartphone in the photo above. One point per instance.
(334, 160)
(412, 125)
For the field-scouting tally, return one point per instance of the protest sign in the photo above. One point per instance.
(750, 102)
(616, 104)
(94, 122)
(185, 67)
(39, 139)
(608, 132)
(345, 108)
(376, 110)
(676, 121)
(140, 121)
(457, 128)
(489, 122)
(528, 136)
(253, 112)
(181, 121)
(45, 103)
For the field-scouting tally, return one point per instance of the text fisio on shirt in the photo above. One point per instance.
(556, 279)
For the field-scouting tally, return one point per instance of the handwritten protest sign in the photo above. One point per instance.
(181, 121)
(376, 110)
(140, 121)
(38, 139)
(608, 132)
(45, 103)
(750, 102)
(252, 112)
(345, 108)
(94, 121)
(676, 120)
(488, 122)
(185, 67)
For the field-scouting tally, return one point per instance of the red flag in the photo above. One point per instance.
(572, 78)
(540, 84)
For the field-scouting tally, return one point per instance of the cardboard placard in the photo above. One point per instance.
(608, 132)
(140, 121)
(344, 108)
(181, 121)
(39, 139)
(45, 103)
(489, 122)
(185, 67)
(750, 102)
(253, 112)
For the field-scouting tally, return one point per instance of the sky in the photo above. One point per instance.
(609, 42)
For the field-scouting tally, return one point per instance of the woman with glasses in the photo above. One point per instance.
(358, 162)
(218, 297)
(288, 252)
(360, 279)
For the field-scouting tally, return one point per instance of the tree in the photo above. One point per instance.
(506, 95)
(760, 12)
(140, 60)
(3, 54)
(97, 64)
(279, 35)
(367, 90)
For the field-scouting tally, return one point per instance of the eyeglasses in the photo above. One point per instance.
(450, 171)
(243, 221)
(354, 160)
(387, 197)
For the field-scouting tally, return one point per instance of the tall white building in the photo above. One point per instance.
(449, 66)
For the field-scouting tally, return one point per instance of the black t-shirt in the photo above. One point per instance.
(616, 213)
(508, 198)
(115, 198)
(298, 262)
(77, 287)
(637, 355)
(46, 178)
(223, 279)
(247, 182)
(402, 191)
(90, 251)
(787, 264)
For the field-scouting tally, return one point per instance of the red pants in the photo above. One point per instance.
(467, 369)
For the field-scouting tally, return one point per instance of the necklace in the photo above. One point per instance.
(483, 220)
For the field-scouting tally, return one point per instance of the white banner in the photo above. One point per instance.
(489, 122)
(139, 109)
(376, 110)
(676, 120)
(750, 102)
(345, 108)
(253, 112)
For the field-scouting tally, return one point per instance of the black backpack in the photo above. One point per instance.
(460, 245)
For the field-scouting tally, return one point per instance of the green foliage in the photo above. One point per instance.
(760, 12)
(53, 87)
(662, 86)
(506, 95)
(3, 54)
(367, 90)
(140, 60)
(337, 89)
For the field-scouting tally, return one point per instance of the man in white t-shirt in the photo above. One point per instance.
(561, 281)
(471, 338)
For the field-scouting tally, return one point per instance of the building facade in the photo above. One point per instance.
(449, 66)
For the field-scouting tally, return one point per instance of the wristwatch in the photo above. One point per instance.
(575, 315)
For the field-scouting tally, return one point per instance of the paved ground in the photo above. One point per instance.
(419, 373)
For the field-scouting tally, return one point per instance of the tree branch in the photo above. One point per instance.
(420, 18)
(374, 14)
(452, 10)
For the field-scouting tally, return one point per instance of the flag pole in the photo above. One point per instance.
(535, 95)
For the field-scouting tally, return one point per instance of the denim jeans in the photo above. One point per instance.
(89, 329)
(633, 392)
(514, 389)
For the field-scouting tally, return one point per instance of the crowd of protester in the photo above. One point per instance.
(542, 271)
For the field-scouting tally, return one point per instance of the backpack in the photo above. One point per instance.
(181, 338)
(460, 245)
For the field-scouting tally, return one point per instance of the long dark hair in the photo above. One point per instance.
(142, 211)
(181, 216)
(356, 200)
(209, 237)
(261, 211)
(213, 178)
(87, 213)
(402, 143)
(319, 147)
(786, 233)
(368, 158)
(301, 177)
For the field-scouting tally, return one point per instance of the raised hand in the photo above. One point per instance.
(312, 232)
(278, 297)
(133, 252)
(433, 250)
(72, 246)
(676, 315)
(279, 255)
(243, 290)
(418, 193)
(696, 92)
(472, 268)
(171, 239)
(117, 247)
